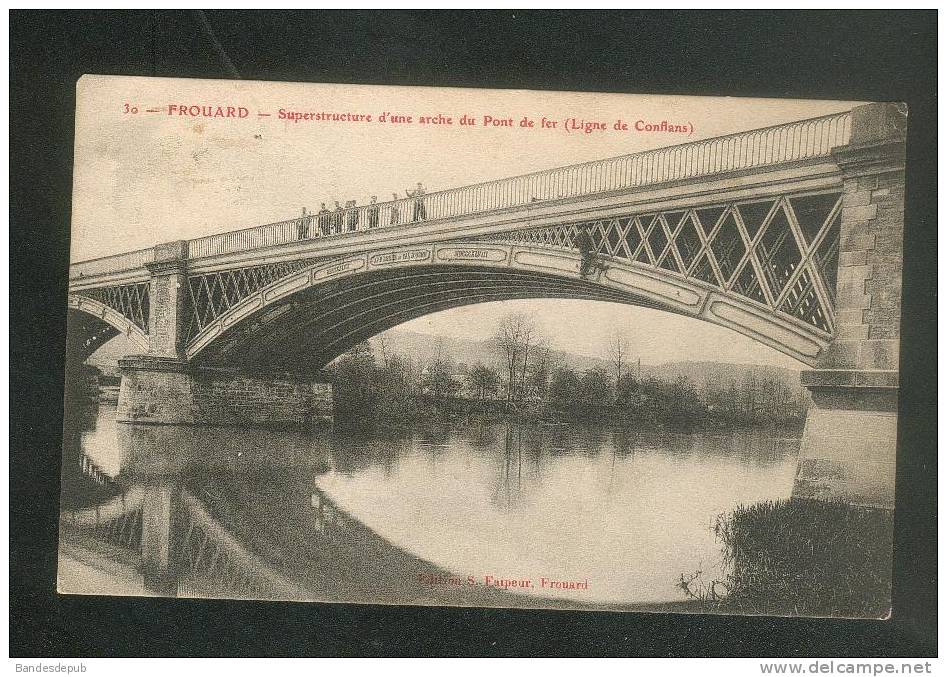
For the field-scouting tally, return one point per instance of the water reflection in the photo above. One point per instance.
(423, 516)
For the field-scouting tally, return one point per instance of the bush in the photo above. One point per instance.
(801, 557)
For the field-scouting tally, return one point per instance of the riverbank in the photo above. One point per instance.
(801, 558)
(430, 410)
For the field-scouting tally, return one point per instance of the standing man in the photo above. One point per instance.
(337, 219)
(323, 219)
(373, 212)
(420, 214)
(586, 247)
(302, 227)
(395, 210)
(351, 217)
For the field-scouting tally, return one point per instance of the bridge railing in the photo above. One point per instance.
(111, 264)
(802, 140)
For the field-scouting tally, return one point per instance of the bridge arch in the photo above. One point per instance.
(92, 323)
(320, 311)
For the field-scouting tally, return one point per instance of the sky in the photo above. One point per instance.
(588, 328)
(143, 178)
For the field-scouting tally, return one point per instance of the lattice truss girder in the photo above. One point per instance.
(205, 558)
(781, 253)
(131, 300)
(123, 531)
(213, 294)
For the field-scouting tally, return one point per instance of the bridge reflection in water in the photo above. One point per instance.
(315, 515)
(203, 513)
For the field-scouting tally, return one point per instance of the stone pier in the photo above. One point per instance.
(162, 390)
(162, 387)
(850, 440)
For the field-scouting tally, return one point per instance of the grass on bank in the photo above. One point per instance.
(801, 557)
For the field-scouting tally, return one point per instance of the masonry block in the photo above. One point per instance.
(168, 299)
(878, 122)
(858, 242)
(853, 331)
(841, 354)
(864, 213)
(856, 198)
(852, 296)
(849, 444)
(850, 258)
(868, 288)
(880, 354)
(849, 317)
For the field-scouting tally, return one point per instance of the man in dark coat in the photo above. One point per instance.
(337, 219)
(351, 217)
(373, 213)
(583, 242)
(395, 210)
(420, 213)
(302, 226)
(324, 218)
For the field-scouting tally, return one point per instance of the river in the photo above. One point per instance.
(495, 514)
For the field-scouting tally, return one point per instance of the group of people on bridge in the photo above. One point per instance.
(347, 219)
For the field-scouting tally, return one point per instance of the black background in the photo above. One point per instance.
(830, 55)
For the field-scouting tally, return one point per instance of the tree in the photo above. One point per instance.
(563, 388)
(439, 381)
(395, 377)
(528, 338)
(395, 385)
(439, 349)
(484, 380)
(354, 378)
(538, 377)
(617, 355)
(512, 338)
(384, 348)
(626, 391)
(593, 389)
(361, 354)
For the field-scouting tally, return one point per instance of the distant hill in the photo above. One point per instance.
(463, 351)
(719, 373)
(424, 347)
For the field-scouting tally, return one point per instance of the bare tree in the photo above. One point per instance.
(617, 355)
(540, 368)
(384, 346)
(483, 380)
(529, 339)
(438, 350)
(513, 334)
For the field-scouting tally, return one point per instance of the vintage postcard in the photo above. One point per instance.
(435, 346)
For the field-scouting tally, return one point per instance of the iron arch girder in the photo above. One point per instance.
(311, 325)
(338, 344)
(366, 300)
(110, 316)
(344, 341)
(85, 334)
(648, 287)
(338, 336)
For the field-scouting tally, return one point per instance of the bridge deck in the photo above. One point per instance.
(804, 140)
